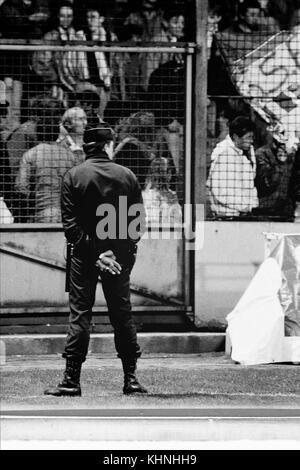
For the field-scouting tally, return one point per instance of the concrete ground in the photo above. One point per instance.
(174, 381)
(192, 397)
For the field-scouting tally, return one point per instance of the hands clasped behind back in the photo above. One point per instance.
(107, 263)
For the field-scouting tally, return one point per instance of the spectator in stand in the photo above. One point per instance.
(78, 6)
(41, 172)
(173, 31)
(161, 203)
(282, 11)
(166, 100)
(273, 174)
(213, 20)
(137, 146)
(295, 185)
(121, 11)
(24, 138)
(89, 101)
(249, 18)
(268, 23)
(246, 33)
(23, 19)
(97, 69)
(127, 68)
(149, 17)
(19, 19)
(295, 20)
(41, 81)
(230, 183)
(166, 91)
(73, 124)
(69, 64)
(6, 186)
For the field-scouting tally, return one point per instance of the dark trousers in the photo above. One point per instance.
(116, 288)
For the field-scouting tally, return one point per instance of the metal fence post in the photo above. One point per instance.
(199, 141)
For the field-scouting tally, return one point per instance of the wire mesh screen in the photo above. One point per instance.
(61, 71)
(49, 100)
(253, 110)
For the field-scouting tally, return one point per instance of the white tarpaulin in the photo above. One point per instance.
(264, 327)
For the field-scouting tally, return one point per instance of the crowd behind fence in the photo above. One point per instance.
(253, 111)
(55, 83)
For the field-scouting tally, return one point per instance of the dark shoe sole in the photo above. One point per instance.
(63, 392)
(130, 392)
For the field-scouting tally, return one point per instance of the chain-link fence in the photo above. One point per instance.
(253, 113)
(77, 74)
(50, 94)
(63, 68)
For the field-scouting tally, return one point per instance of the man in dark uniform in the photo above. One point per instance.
(88, 191)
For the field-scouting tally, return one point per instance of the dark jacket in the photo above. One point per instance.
(99, 181)
(6, 181)
(295, 180)
(272, 182)
(15, 24)
(267, 172)
(166, 92)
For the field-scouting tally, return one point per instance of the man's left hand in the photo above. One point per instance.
(108, 263)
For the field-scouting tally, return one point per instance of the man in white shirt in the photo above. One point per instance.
(233, 168)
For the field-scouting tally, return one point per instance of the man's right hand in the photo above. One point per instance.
(107, 263)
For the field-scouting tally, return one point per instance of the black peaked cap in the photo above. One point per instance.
(98, 134)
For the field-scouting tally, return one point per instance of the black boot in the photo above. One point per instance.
(70, 386)
(131, 385)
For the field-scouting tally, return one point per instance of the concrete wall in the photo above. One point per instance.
(226, 262)
(157, 270)
(224, 265)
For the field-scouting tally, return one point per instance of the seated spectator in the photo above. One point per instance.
(97, 69)
(19, 19)
(231, 177)
(127, 68)
(73, 124)
(173, 31)
(136, 144)
(41, 172)
(273, 174)
(69, 64)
